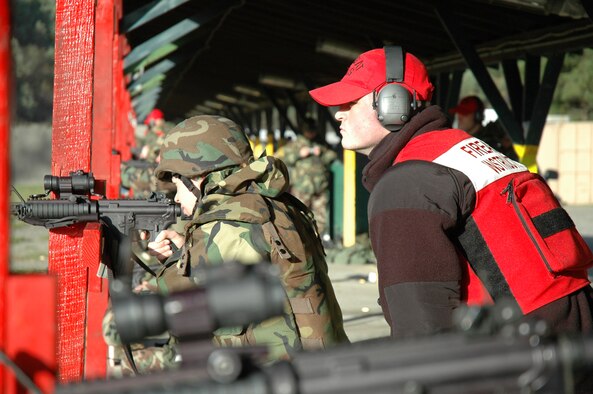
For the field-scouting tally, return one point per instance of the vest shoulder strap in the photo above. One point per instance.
(429, 146)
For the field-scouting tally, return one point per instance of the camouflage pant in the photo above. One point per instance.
(318, 204)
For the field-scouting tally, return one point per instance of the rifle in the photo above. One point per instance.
(232, 294)
(77, 202)
(490, 353)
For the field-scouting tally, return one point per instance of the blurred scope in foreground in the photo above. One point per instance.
(229, 295)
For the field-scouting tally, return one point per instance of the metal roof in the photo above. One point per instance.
(189, 56)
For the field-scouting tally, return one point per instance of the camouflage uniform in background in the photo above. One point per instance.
(310, 176)
(140, 179)
(245, 215)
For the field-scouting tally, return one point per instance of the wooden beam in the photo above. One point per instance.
(514, 87)
(174, 33)
(147, 13)
(543, 100)
(473, 61)
(160, 68)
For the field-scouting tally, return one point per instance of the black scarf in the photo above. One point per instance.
(382, 156)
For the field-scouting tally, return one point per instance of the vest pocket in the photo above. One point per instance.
(548, 225)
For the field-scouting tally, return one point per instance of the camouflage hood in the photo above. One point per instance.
(237, 194)
(202, 144)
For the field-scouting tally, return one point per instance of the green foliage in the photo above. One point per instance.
(574, 93)
(32, 45)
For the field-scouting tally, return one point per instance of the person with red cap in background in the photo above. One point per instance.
(470, 118)
(155, 122)
(452, 221)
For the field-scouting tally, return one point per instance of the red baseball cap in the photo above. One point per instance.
(367, 73)
(155, 114)
(468, 105)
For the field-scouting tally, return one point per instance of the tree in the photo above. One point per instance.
(32, 45)
(574, 93)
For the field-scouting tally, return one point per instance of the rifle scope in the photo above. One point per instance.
(233, 294)
(79, 182)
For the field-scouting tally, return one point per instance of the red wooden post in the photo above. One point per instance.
(27, 302)
(71, 150)
(89, 103)
(4, 167)
(101, 165)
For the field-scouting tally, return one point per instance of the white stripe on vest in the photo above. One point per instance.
(480, 162)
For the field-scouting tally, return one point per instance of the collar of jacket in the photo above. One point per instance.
(382, 156)
(237, 193)
(267, 176)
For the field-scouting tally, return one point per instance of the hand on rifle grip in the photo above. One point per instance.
(165, 243)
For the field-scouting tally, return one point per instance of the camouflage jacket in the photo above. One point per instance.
(308, 174)
(245, 215)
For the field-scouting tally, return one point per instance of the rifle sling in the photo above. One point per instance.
(128, 352)
(142, 264)
(174, 257)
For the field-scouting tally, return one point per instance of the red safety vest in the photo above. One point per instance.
(518, 241)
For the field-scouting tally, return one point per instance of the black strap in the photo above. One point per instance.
(552, 222)
(394, 63)
(174, 257)
(483, 263)
(143, 264)
(130, 357)
(190, 186)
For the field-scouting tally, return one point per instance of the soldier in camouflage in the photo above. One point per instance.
(308, 162)
(241, 212)
(138, 181)
(137, 176)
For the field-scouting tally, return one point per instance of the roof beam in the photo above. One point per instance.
(544, 98)
(162, 67)
(512, 78)
(281, 109)
(147, 13)
(174, 33)
(565, 38)
(148, 85)
(481, 74)
(532, 75)
(454, 88)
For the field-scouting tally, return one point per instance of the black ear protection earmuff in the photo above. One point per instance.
(394, 103)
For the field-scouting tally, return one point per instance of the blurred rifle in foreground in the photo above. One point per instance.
(229, 295)
(76, 202)
(491, 353)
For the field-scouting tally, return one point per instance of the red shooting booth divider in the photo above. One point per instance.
(50, 324)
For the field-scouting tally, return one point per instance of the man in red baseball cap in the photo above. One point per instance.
(441, 211)
(470, 118)
(470, 113)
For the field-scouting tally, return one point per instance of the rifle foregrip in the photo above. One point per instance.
(53, 209)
